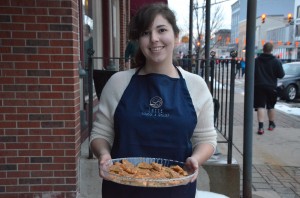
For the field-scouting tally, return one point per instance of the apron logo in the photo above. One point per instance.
(156, 102)
(154, 109)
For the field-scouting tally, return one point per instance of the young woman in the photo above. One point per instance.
(156, 110)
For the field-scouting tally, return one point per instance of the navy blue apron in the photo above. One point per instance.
(154, 118)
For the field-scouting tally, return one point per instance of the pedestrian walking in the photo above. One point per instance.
(243, 67)
(267, 69)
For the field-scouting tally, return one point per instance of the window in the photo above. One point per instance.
(86, 43)
(87, 17)
(297, 33)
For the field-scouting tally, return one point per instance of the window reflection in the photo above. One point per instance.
(87, 28)
(88, 42)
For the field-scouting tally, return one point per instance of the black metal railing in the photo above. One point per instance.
(221, 84)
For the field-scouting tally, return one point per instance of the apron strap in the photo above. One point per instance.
(139, 69)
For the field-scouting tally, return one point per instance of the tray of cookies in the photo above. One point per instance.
(148, 172)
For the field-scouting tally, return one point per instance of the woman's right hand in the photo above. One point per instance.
(103, 165)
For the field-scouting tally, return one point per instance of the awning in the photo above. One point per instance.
(136, 4)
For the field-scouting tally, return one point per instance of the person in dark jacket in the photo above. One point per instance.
(267, 69)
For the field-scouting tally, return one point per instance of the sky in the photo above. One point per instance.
(181, 9)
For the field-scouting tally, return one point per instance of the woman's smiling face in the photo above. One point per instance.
(158, 41)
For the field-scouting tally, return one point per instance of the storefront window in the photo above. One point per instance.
(88, 27)
(86, 44)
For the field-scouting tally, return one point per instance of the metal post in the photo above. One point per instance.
(191, 34)
(231, 109)
(207, 40)
(212, 74)
(249, 96)
(90, 91)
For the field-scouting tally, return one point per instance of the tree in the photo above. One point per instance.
(199, 30)
(216, 24)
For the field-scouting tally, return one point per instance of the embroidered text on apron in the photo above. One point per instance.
(154, 118)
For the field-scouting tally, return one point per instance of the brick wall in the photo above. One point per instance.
(39, 98)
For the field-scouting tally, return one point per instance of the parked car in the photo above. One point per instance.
(288, 87)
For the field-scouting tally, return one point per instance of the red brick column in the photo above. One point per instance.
(124, 16)
(39, 98)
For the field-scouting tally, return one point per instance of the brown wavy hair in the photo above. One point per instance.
(143, 19)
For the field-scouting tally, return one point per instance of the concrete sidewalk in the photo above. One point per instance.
(276, 159)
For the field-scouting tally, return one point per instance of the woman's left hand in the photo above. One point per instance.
(192, 164)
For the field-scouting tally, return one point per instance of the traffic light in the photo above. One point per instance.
(198, 43)
(263, 18)
(290, 17)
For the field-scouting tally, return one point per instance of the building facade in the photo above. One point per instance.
(42, 94)
(221, 43)
(235, 19)
(276, 27)
(297, 28)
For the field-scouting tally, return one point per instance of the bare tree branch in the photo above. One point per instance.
(216, 23)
